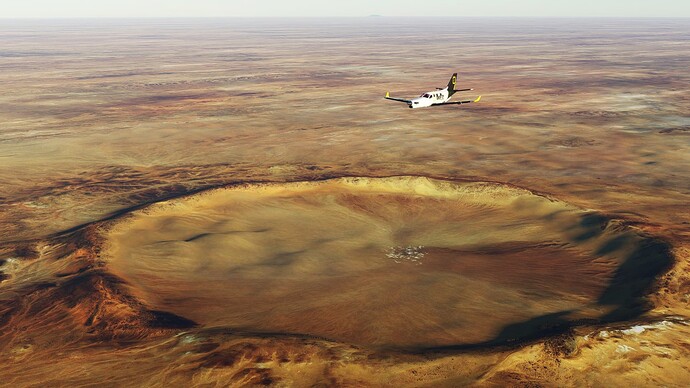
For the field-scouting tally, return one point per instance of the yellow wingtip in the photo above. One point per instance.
(388, 94)
(478, 98)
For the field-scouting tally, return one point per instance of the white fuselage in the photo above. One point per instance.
(430, 98)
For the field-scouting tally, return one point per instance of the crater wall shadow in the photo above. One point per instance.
(627, 293)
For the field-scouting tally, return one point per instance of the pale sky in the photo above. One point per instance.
(316, 8)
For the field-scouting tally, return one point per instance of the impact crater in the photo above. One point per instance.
(398, 262)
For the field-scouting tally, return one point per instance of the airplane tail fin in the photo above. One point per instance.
(451, 84)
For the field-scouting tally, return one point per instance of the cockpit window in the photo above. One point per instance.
(426, 95)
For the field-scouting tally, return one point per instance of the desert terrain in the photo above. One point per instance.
(232, 202)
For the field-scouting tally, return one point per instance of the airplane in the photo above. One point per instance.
(436, 98)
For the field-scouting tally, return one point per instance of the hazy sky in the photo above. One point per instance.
(225, 8)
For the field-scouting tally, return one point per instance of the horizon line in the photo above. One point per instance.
(346, 17)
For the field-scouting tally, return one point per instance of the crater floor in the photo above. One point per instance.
(406, 262)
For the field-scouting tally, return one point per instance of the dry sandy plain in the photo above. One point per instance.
(232, 202)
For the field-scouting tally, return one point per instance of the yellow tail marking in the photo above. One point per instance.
(453, 80)
(388, 94)
(478, 98)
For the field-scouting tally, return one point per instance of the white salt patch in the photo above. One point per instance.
(638, 329)
(634, 330)
(410, 254)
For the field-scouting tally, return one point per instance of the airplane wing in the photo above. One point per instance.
(388, 97)
(459, 102)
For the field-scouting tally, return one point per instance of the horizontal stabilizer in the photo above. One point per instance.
(388, 97)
